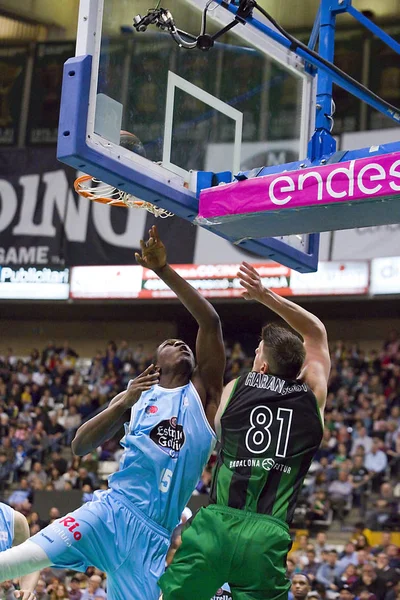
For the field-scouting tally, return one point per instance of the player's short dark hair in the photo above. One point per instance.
(283, 350)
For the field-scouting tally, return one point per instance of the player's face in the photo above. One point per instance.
(300, 586)
(173, 353)
(259, 363)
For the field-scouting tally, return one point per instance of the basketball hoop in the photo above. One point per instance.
(93, 189)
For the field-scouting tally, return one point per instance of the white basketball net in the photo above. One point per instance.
(94, 189)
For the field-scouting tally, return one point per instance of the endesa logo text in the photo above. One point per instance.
(356, 180)
(353, 180)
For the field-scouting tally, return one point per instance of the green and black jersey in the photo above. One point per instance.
(270, 430)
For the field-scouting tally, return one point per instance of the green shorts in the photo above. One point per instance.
(223, 544)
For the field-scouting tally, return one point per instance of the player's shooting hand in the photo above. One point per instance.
(142, 383)
(25, 595)
(154, 254)
(251, 282)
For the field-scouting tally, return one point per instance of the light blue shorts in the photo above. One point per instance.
(113, 535)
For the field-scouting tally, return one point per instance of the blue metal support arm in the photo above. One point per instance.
(312, 42)
(322, 141)
(362, 95)
(385, 37)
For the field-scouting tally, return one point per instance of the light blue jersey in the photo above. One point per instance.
(6, 526)
(125, 531)
(167, 444)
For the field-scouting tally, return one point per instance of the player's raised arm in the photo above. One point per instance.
(107, 423)
(316, 366)
(27, 583)
(210, 352)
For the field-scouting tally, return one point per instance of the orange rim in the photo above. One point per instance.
(85, 193)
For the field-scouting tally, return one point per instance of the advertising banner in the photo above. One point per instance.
(33, 283)
(43, 221)
(218, 281)
(385, 276)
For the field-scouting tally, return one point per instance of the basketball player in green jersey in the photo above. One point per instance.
(270, 425)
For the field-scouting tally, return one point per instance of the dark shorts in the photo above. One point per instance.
(224, 544)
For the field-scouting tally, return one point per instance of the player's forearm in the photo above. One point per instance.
(100, 428)
(298, 318)
(194, 302)
(27, 583)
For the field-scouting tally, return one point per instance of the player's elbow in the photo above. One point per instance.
(77, 446)
(319, 330)
(213, 320)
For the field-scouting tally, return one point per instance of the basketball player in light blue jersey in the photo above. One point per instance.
(14, 530)
(168, 413)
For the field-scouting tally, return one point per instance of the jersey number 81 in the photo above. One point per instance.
(259, 438)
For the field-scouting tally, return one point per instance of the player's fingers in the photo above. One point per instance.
(246, 296)
(252, 273)
(250, 267)
(245, 277)
(154, 233)
(146, 379)
(139, 259)
(144, 388)
(143, 244)
(18, 593)
(146, 371)
(248, 286)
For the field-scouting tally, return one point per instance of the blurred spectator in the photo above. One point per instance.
(319, 507)
(41, 593)
(37, 473)
(311, 566)
(348, 557)
(385, 572)
(340, 493)
(371, 582)
(74, 591)
(320, 545)
(394, 556)
(22, 493)
(376, 463)
(328, 574)
(59, 592)
(359, 478)
(82, 479)
(94, 589)
(7, 590)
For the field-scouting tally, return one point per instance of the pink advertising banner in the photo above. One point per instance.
(358, 180)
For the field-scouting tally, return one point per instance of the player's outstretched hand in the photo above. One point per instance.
(142, 383)
(25, 595)
(154, 254)
(251, 281)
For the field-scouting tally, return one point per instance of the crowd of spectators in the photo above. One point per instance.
(355, 569)
(46, 396)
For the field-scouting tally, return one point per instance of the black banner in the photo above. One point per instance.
(45, 100)
(13, 61)
(43, 221)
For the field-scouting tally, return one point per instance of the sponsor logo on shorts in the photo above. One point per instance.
(71, 525)
(3, 536)
(222, 595)
(151, 410)
(169, 436)
(268, 464)
(46, 537)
